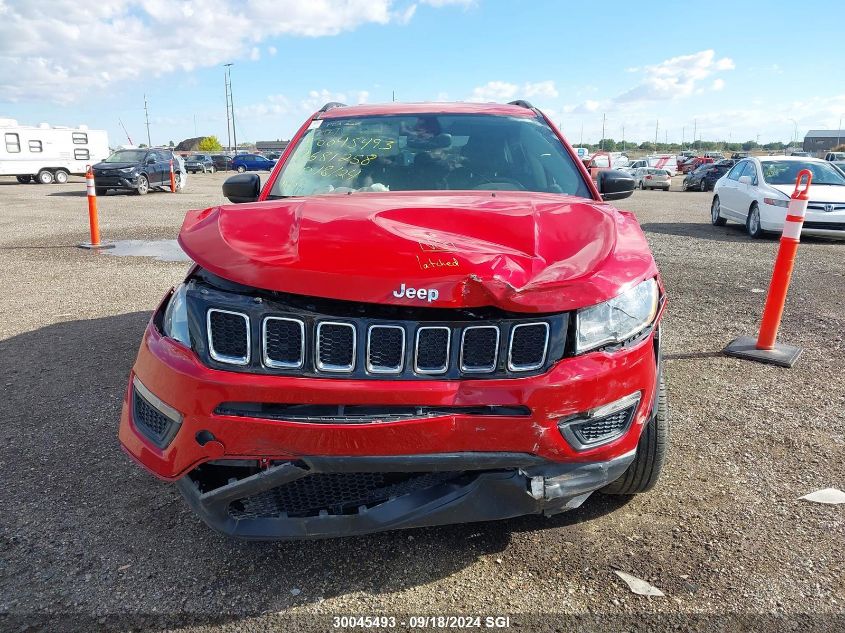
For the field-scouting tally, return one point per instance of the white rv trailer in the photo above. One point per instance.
(46, 153)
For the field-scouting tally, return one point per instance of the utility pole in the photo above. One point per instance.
(683, 132)
(232, 104)
(147, 117)
(694, 130)
(393, 95)
(228, 130)
(603, 121)
(581, 142)
(623, 137)
(839, 132)
(656, 129)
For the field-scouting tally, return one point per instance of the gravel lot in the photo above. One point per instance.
(93, 540)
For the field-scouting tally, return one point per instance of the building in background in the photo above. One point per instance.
(271, 146)
(818, 141)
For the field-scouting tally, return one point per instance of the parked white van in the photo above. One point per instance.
(46, 153)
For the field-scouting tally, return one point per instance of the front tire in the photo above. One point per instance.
(644, 471)
(143, 185)
(241, 169)
(752, 222)
(703, 185)
(61, 176)
(44, 177)
(716, 218)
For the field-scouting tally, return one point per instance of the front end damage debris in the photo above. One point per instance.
(408, 491)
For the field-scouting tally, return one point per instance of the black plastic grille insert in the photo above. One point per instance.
(334, 493)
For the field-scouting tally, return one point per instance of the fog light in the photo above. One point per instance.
(601, 425)
(156, 420)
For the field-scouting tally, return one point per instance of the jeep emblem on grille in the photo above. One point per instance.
(425, 294)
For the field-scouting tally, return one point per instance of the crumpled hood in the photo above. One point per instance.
(518, 251)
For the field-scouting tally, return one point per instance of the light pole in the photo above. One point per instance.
(232, 104)
(795, 132)
(839, 131)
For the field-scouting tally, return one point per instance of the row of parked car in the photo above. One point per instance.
(210, 163)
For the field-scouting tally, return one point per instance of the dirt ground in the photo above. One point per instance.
(88, 540)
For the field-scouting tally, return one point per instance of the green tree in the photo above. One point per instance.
(209, 144)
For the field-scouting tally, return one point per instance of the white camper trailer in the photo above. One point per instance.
(46, 153)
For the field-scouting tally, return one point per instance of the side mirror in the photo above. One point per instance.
(242, 188)
(614, 184)
(745, 180)
(151, 161)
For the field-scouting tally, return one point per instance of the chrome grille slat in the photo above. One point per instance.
(282, 343)
(379, 352)
(521, 329)
(335, 347)
(475, 349)
(229, 336)
(426, 364)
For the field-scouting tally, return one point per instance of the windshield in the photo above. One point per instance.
(127, 156)
(429, 153)
(785, 172)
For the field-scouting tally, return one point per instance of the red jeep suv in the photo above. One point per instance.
(428, 314)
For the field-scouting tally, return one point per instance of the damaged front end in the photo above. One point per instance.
(321, 497)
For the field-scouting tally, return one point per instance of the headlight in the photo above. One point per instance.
(127, 170)
(619, 319)
(176, 317)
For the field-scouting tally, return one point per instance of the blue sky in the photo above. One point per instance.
(739, 70)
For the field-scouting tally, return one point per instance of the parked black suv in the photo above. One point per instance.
(137, 170)
(199, 162)
(221, 162)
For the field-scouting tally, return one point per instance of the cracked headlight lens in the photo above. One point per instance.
(618, 319)
(175, 323)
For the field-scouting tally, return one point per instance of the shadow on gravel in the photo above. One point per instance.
(82, 193)
(91, 533)
(698, 230)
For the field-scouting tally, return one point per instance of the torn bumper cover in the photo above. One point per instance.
(321, 497)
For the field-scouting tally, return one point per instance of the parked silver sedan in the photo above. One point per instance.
(652, 178)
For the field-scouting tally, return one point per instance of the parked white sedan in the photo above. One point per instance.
(756, 193)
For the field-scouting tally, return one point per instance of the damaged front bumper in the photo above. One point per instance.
(322, 497)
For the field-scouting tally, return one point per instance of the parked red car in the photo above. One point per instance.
(695, 163)
(428, 314)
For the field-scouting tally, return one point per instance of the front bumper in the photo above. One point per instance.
(817, 224)
(488, 486)
(573, 386)
(503, 465)
(116, 182)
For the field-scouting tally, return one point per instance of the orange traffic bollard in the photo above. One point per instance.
(766, 349)
(172, 178)
(93, 217)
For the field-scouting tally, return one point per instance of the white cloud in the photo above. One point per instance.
(505, 91)
(676, 77)
(255, 54)
(272, 50)
(540, 89)
(718, 84)
(494, 91)
(62, 50)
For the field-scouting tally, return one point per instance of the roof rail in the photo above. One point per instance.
(331, 105)
(522, 104)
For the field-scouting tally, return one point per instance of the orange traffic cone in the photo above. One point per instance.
(93, 217)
